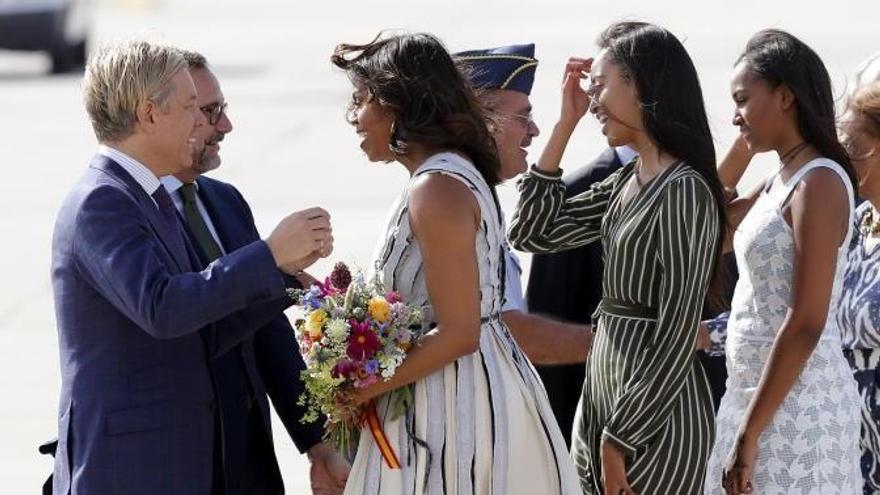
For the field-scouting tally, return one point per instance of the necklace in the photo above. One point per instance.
(791, 154)
(638, 173)
(871, 225)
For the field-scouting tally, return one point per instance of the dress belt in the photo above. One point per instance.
(623, 309)
(862, 359)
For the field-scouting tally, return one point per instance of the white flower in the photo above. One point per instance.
(338, 330)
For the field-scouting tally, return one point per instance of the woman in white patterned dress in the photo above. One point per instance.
(479, 421)
(789, 422)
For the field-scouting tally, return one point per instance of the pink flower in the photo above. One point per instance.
(327, 288)
(393, 297)
(365, 377)
(362, 341)
(366, 381)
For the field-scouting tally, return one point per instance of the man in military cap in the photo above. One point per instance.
(504, 77)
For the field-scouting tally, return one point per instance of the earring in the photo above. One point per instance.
(395, 144)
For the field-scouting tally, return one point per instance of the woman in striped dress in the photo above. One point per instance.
(645, 421)
(479, 421)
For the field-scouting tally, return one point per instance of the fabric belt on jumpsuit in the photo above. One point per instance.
(623, 309)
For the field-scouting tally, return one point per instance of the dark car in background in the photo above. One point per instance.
(57, 27)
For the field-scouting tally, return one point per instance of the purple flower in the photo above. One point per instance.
(314, 297)
(344, 369)
(340, 277)
(371, 367)
(326, 288)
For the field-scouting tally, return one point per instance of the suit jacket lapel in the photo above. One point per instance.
(148, 207)
(226, 222)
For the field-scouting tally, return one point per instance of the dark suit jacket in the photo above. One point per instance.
(269, 360)
(568, 285)
(137, 407)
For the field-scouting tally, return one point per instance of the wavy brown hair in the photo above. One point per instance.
(414, 77)
(866, 102)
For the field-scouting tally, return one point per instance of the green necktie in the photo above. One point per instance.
(197, 224)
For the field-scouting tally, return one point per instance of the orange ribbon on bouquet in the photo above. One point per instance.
(371, 419)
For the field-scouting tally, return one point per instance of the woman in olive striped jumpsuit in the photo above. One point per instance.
(645, 421)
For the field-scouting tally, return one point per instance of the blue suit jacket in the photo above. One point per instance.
(270, 360)
(136, 413)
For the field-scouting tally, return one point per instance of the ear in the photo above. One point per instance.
(146, 114)
(873, 150)
(786, 97)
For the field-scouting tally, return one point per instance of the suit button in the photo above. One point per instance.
(244, 352)
(247, 402)
(212, 405)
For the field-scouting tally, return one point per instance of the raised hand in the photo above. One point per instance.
(301, 236)
(296, 267)
(575, 104)
(575, 99)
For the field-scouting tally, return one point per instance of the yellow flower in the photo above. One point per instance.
(379, 309)
(315, 323)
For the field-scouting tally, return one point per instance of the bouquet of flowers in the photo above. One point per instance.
(353, 334)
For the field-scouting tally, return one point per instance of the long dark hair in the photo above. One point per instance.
(414, 76)
(672, 107)
(779, 58)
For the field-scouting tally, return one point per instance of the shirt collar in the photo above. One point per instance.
(172, 184)
(137, 170)
(625, 154)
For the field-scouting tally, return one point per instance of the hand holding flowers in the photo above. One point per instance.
(353, 334)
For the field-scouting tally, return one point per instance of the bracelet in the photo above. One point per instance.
(293, 294)
(729, 191)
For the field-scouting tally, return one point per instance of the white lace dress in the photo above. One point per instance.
(482, 424)
(812, 444)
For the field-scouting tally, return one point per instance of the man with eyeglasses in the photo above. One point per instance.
(504, 77)
(218, 219)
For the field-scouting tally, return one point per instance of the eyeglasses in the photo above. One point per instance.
(526, 118)
(214, 112)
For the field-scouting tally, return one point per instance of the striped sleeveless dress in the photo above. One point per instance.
(482, 424)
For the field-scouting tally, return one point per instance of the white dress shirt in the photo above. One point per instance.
(625, 154)
(137, 170)
(513, 294)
